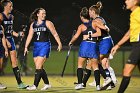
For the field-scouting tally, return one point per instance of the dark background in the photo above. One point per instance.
(65, 16)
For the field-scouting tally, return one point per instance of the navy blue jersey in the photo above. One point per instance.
(41, 32)
(7, 23)
(1, 34)
(89, 31)
(103, 32)
(106, 43)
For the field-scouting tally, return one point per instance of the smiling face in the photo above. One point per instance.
(130, 4)
(92, 14)
(42, 14)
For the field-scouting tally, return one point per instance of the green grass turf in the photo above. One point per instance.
(63, 85)
(55, 63)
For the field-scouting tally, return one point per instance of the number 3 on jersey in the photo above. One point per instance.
(38, 35)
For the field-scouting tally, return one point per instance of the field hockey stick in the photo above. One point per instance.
(67, 56)
(66, 60)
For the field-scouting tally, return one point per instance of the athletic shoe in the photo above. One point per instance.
(46, 86)
(84, 85)
(22, 86)
(93, 84)
(2, 86)
(107, 87)
(112, 85)
(98, 88)
(115, 81)
(79, 86)
(107, 81)
(33, 87)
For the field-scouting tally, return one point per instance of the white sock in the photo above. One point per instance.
(112, 74)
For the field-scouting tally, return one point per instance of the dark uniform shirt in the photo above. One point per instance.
(7, 23)
(89, 31)
(41, 32)
(104, 33)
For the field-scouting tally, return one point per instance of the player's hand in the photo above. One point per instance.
(6, 53)
(59, 47)
(70, 43)
(26, 51)
(114, 49)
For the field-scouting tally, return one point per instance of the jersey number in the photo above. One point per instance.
(9, 28)
(38, 35)
(90, 33)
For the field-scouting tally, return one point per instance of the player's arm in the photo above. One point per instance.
(121, 42)
(52, 29)
(4, 43)
(78, 32)
(98, 32)
(29, 38)
(15, 33)
(102, 25)
(124, 39)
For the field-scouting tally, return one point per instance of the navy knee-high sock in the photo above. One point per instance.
(97, 77)
(80, 75)
(102, 71)
(86, 76)
(38, 73)
(45, 77)
(17, 75)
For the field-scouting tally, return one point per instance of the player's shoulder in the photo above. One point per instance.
(81, 26)
(31, 24)
(98, 20)
(48, 22)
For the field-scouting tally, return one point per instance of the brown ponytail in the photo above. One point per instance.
(97, 8)
(99, 5)
(84, 13)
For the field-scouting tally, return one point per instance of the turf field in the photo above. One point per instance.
(63, 85)
(55, 63)
(54, 67)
